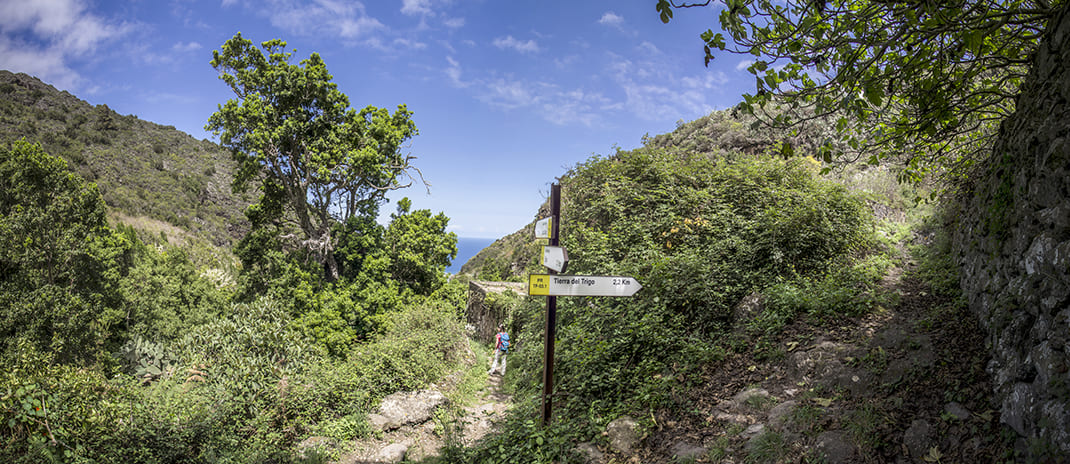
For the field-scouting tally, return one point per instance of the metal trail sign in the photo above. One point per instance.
(554, 258)
(564, 285)
(543, 227)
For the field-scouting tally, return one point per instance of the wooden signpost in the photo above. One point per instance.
(551, 309)
(552, 285)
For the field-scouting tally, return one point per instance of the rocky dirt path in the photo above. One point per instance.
(416, 426)
(903, 384)
(479, 419)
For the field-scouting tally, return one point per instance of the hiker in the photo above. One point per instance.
(501, 349)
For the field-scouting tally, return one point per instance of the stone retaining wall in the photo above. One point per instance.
(1012, 241)
(485, 318)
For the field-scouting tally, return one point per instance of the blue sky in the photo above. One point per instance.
(507, 94)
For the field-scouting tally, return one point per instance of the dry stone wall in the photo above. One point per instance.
(1012, 241)
(482, 317)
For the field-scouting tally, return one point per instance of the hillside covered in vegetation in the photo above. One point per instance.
(792, 309)
(152, 177)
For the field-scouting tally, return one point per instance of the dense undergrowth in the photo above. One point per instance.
(118, 351)
(242, 389)
(173, 189)
(125, 351)
(701, 233)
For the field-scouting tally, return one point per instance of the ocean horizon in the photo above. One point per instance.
(467, 247)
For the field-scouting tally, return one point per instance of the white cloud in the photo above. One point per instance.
(615, 21)
(157, 98)
(447, 46)
(411, 44)
(654, 90)
(350, 20)
(454, 72)
(416, 7)
(566, 62)
(508, 94)
(708, 81)
(575, 107)
(186, 47)
(743, 65)
(454, 23)
(610, 18)
(509, 41)
(547, 100)
(47, 65)
(649, 50)
(56, 32)
(344, 19)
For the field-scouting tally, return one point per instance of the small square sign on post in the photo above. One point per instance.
(542, 227)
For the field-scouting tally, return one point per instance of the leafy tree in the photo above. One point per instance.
(165, 294)
(318, 162)
(60, 264)
(359, 247)
(923, 83)
(420, 247)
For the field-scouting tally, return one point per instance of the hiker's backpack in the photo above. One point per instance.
(504, 342)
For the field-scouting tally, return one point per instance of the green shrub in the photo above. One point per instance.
(166, 295)
(699, 234)
(57, 413)
(523, 436)
(60, 264)
(244, 388)
(843, 291)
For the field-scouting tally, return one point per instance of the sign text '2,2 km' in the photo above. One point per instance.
(565, 285)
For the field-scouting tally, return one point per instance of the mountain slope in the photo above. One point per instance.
(153, 177)
(718, 134)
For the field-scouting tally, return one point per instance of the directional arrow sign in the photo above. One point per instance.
(564, 285)
(554, 258)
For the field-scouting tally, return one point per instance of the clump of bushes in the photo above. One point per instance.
(699, 233)
(248, 387)
(118, 350)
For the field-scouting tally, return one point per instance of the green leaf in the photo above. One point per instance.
(787, 150)
(874, 94)
(665, 10)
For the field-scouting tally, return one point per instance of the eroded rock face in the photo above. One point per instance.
(590, 453)
(687, 452)
(835, 447)
(1012, 242)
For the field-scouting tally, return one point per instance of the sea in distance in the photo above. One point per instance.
(466, 249)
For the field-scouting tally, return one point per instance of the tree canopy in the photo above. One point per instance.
(59, 262)
(922, 83)
(419, 246)
(318, 162)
